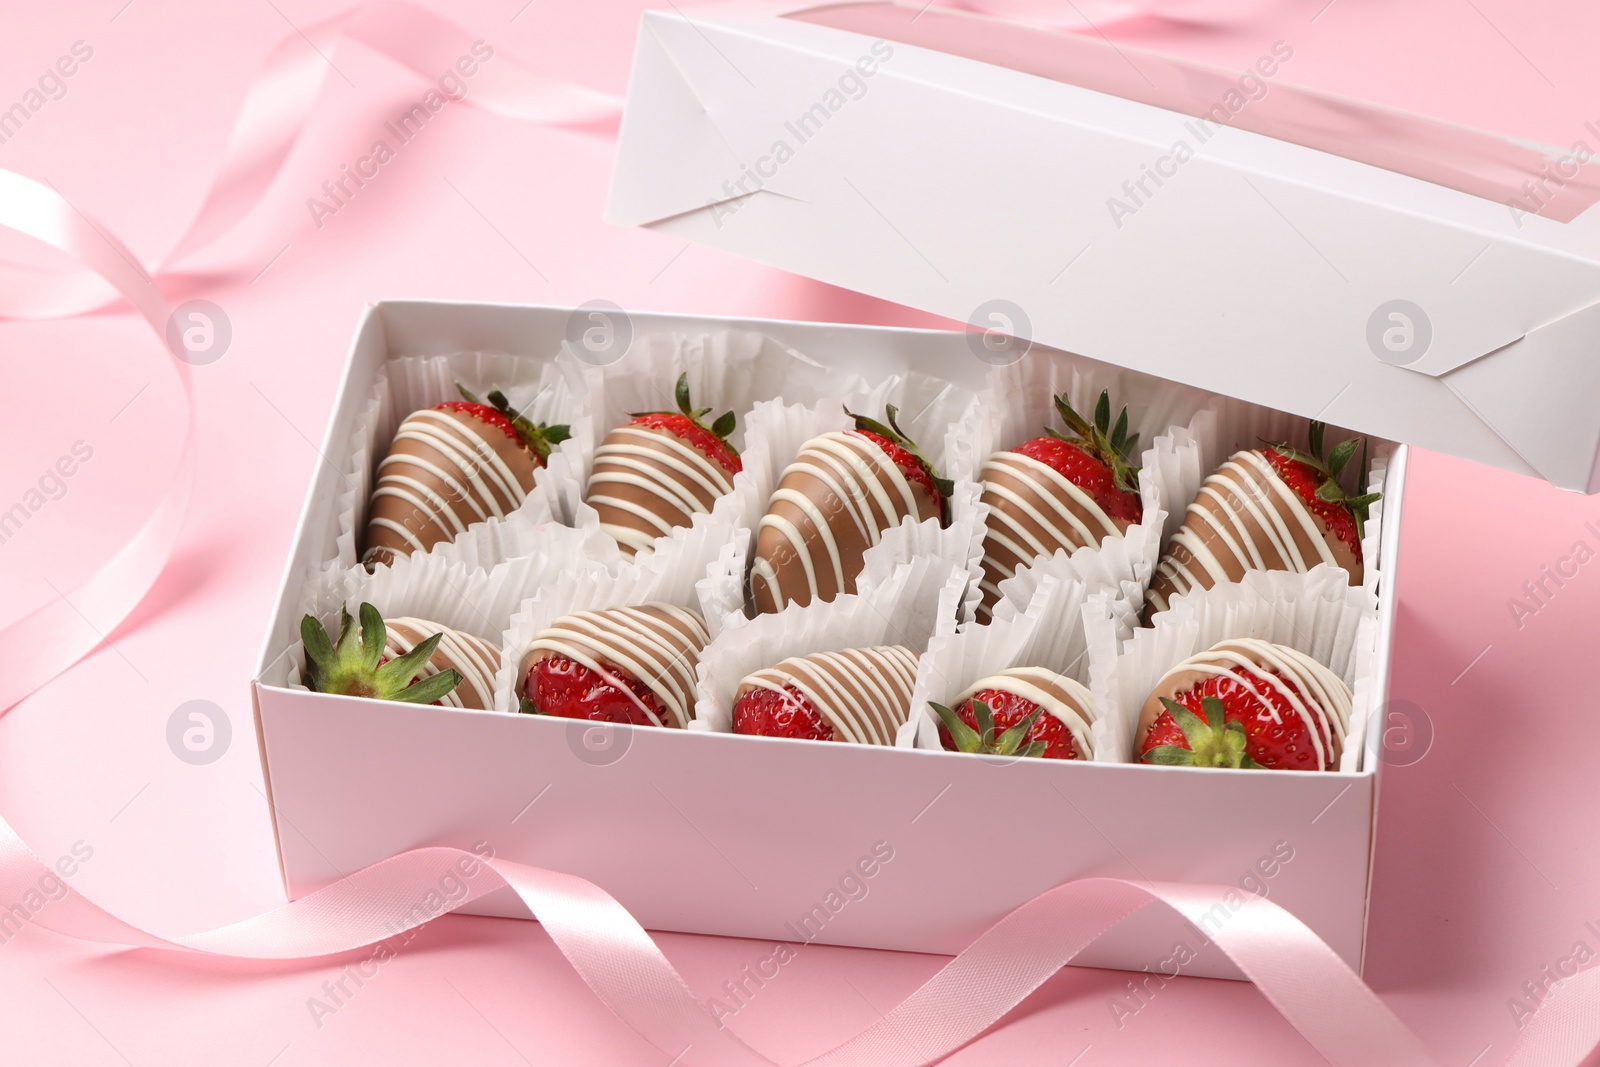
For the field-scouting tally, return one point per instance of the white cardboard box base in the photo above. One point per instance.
(758, 838)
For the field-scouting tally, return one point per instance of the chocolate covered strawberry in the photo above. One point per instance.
(1272, 508)
(835, 501)
(624, 665)
(660, 470)
(1061, 491)
(1021, 711)
(862, 695)
(359, 663)
(450, 466)
(1246, 703)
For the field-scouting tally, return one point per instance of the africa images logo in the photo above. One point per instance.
(1251, 86)
(851, 85)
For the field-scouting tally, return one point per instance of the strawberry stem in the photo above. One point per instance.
(1212, 741)
(720, 429)
(983, 741)
(1111, 445)
(897, 436)
(1332, 466)
(352, 665)
(540, 438)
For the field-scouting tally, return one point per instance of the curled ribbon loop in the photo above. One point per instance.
(42, 644)
(39, 646)
(276, 109)
(1294, 969)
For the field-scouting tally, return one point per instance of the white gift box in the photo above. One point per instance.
(1410, 281)
(887, 160)
(763, 838)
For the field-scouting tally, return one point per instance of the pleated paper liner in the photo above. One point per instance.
(546, 391)
(1064, 628)
(906, 604)
(1318, 613)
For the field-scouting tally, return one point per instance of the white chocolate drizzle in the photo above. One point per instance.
(475, 658)
(864, 490)
(1034, 510)
(657, 644)
(1260, 523)
(476, 476)
(863, 693)
(672, 482)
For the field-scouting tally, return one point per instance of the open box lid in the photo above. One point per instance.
(1414, 280)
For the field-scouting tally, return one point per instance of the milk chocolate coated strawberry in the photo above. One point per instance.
(660, 470)
(450, 466)
(835, 501)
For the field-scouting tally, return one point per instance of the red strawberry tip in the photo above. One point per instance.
(539, 438)
(1111, 445)
(1331, 466)
(720, 428)
(562, 687)
(788, 713)
(892, 433)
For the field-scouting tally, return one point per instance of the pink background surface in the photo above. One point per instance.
(1485, 871)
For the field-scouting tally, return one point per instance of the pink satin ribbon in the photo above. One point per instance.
(46, 642)
(275, 110)
(1297, 972)
(1293, 968)
(42, 644)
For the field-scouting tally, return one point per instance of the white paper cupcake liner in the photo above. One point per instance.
(1169, 418)
(1063, 627)
(456, 593)
(1318, 613)
(933, 412)
(669, 576)
(729, 370)
(450, 593)
(546, 391)
(912, 605)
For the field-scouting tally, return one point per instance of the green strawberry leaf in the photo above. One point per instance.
(1011, 741)
(1341, 456)
(965, 738)
(399, 672)
(431, 688)
(373, 637)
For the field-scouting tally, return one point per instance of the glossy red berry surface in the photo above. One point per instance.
(1305, 479)
(914, 469)
(774, 713)
(557, 685)
(706, 442)
(1087, 472)
(1285, 744)
(1008, 710)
